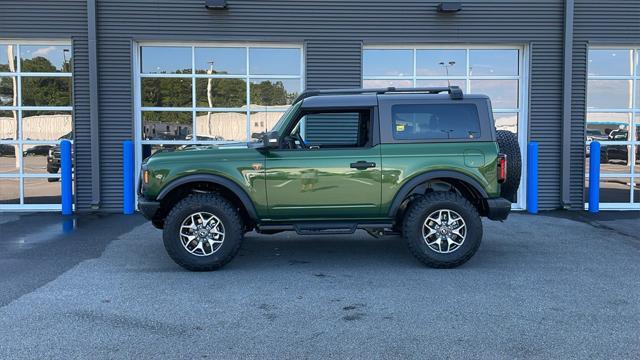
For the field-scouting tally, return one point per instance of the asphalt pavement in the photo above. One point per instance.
(546, 286)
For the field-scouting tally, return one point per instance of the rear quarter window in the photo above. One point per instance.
(435, 122)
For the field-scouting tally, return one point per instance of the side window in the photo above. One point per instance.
(435, 121)
(331, 130)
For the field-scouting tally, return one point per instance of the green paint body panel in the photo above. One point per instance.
(403, 162)
(235, 163)
(320, 184)
(289, 186)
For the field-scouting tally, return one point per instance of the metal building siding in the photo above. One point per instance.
(333, 64)
(60, 20)
(82, 126)
(614, 22)
(578, 115)
(332, 31)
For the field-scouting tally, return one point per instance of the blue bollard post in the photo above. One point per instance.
(594, 177)
(128, 177)
(532, 178)
(66, 179)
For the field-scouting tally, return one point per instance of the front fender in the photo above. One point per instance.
(215, 179)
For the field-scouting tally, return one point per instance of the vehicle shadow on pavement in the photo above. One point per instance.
(515, 245)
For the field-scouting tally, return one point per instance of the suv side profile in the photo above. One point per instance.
(426, 163)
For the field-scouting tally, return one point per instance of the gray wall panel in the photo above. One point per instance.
(332, 32)
(65, 20)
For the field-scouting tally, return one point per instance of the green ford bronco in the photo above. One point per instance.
(426, 163)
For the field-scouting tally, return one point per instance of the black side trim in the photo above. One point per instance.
(498, 208)
(219, 180)
(412, 184)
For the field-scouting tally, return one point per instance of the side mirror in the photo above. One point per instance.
(270, 140)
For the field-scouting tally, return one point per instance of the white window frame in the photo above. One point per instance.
(247, 77)
(633, 177)
(523, 89)
(19, 109)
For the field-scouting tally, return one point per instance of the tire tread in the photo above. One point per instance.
(414, 215)
(194, 200)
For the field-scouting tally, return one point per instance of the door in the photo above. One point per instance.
(327, 169)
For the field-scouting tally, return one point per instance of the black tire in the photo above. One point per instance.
(158, 223)
(508, 144)
(416, 216)
(213, 204)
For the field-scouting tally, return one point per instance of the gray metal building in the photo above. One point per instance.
(168, 73)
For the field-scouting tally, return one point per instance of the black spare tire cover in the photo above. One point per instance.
(508, 145)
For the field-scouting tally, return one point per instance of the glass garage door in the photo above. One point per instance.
(613, 119)
(35, 114)
(497, 71)
(211, 93)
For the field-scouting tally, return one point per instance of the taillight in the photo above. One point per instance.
(502, 168)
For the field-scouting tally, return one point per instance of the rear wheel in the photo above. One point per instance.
(442, 229)
(203, 232)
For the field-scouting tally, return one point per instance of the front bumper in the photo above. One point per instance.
(498, 208)
(148, 208)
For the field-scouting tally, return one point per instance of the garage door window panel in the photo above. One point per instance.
(221, 93)
(8, 56)
(41, 191)
(492, 62)
(221, 61)
(10, 190)
(221, 126)
(214, 93)
(8, 91)
(46, 125)
(613, 109)
(45, 58)
(46, 91)
(278, 93)
(609, 94)
(36, 113)
(165, 60)
(8, 125)
(166, 92)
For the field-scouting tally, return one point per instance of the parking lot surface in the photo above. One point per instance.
(539, 287)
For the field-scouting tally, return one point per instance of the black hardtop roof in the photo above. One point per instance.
(368, 97)
(454, 91)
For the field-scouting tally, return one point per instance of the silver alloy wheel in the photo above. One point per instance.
(202, 233)
(444, 231)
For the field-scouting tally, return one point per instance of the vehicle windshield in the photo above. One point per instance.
(279, 125)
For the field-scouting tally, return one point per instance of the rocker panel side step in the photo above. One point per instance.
(326, 228)
(321, 228)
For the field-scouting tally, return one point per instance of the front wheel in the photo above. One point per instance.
(203, 232)
(442, 229)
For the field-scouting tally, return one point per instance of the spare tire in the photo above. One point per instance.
(508, 145)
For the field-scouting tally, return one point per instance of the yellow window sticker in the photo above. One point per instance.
(399, 127)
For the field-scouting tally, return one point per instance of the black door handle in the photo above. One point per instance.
(361, 165)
